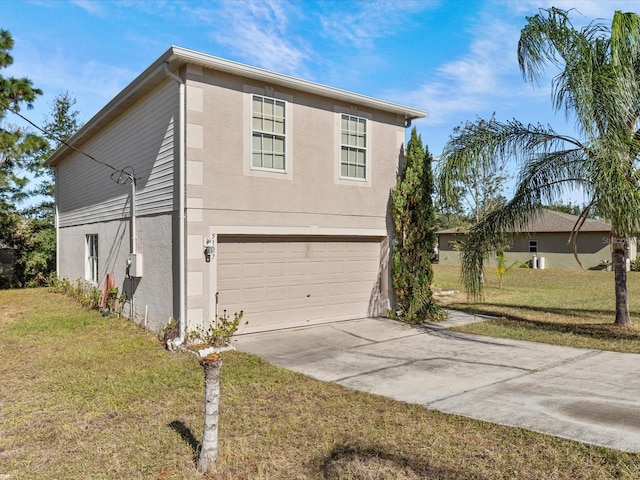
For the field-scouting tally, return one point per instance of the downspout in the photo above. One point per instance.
(182, 298)
(57, 224)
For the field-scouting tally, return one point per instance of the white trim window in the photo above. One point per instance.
(533, 246)
(268, 129)
(353, 147)
(91, 266)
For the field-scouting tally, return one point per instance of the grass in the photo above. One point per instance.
(561, 307)
(90, 397)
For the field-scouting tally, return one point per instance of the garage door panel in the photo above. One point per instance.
(254, 295)
(283, 283)
(277, 293)
(317, 267)
(276, 270)
(229, 272)
(253, 270)
(335, 267)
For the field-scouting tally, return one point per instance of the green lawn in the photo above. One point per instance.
(84, 396)
(563, 307)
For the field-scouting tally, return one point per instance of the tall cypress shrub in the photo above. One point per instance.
(414, 219)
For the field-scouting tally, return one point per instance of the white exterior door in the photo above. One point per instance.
(288, 282)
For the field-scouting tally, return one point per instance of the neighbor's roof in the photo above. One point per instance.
(177, 57)
(551, 221)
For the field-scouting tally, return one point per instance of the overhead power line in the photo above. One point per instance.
(64, 142)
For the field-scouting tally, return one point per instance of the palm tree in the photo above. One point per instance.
(599, 87)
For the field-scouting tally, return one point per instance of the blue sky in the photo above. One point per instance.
(455, 59)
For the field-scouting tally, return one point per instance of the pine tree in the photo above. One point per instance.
(16, 145)
(414, 219)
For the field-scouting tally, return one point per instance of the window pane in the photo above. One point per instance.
(268, 108)
(257, 105)
(279, 109)
(267, 160)
(267, 144)
(352, 157)
(278, 145)
(361, 173)
(257, 160)
(278, 162)
(343, 170)
(279, 127)
(257, 143)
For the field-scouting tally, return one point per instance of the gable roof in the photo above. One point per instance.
(177, 57)
(551, 221)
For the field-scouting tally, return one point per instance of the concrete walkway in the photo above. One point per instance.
(590, 396)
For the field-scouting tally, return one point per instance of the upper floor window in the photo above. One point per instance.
(353, 147)
(91, 268)
(268, 126)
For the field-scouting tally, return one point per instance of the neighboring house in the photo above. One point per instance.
(255, 191)
(547, 239)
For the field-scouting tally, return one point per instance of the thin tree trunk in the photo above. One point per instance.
(209, 451)
(620, 274)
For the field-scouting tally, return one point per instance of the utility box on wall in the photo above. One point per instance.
(134, 263)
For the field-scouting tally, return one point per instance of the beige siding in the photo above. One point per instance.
(143, 139)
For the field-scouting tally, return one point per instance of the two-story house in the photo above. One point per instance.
(253, 191)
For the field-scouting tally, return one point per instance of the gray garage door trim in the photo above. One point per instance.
(282, 282)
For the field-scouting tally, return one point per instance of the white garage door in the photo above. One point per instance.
(287, 282)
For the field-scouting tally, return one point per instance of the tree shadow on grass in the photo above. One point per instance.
(573, 325)
(186, 435)
(356, 463)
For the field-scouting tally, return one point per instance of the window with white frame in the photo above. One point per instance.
(533, 246)
(91, 268)
(268, 126)
(353, 147)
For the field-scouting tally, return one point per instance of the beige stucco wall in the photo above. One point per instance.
(225, 196)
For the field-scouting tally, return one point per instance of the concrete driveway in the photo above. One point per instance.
(590, 396)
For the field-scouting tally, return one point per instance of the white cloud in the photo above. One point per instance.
(483, 77)
(91, 6)
(257, 32)
(361, 23)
